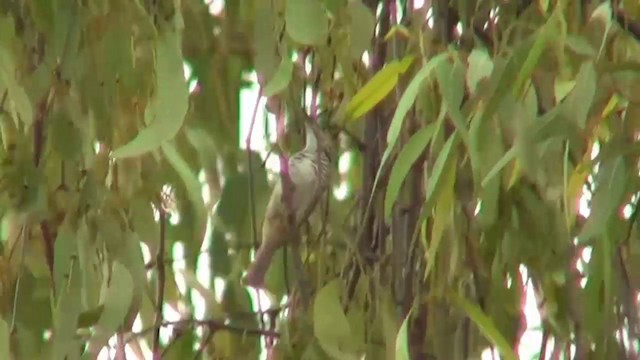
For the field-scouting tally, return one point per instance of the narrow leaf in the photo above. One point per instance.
(402, 340)
(408, 155)
(377, 88)
(486, 326)
(405, 103)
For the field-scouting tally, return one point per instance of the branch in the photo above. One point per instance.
(160, 290)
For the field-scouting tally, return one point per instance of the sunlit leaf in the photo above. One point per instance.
(377, 88)
(402, 340)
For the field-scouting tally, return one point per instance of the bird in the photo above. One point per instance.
(309, 172)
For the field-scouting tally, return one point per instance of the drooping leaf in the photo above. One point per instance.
(167, 110)
(451, 83)
(307, 21)
(8, 71)
(612, 179)
(406, 102)
(408, 155)
(280, 79)
(486, 326)
(578, 102)
(66, 314)
(330, 324)
(361, 28)
(64, 251)
(116, 303)
(446, 156)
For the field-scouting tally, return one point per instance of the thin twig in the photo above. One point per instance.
(213, 324)
(160, 289)
(22, 235)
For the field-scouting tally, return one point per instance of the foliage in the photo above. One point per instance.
(473, 132)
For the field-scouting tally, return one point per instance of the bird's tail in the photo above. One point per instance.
(258, 268)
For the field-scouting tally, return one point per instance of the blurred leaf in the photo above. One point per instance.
(377, 88)
(612, 180)
(406, 102)
(5, 340)
(480, 67)
(191, 182)
(361, 29)
(579, 100)
(486, 326)
(67, 310)
(307, 21)
(116, 303)
(330, 325)
(8, 71)
(402, 340)
(451, 82)
(64, 251)
(281, 78)
(165, 114)
(407, 156)
(445, 157)
(219, 254)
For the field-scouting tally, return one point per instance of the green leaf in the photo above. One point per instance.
(190, 180)
(64, 250)
(451, 82)
(402, 340)
(8, 71)
(377, 88)
(307, 21)
(330, 324)
(5, 340)
(65, 317)
(542, 38)
(444, 158)
(445, 186)
(116, 303)
(405, 103)
(166, 112)
(579, 101)
(480, 67)
(280, 79)
(361, 28)
(408, 155)
(611, 190)
(486, 326)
